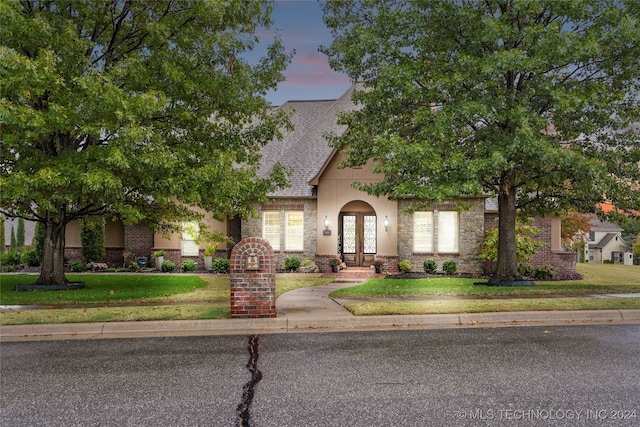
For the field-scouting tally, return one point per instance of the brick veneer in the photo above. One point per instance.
(253, 293)
(564, 262)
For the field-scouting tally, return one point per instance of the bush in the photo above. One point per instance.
(168, 266)
(543, 272)
(525, 270)
(134, 266)
(77, 266)
(221, 265)
(11, 258)
(8, 268)
(30, 258)
(92, 238)
(188, 265)
(430, 266)
(291, 264)
(450, 267)
(404, 266)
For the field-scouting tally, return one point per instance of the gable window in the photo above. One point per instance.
(190, 232)
(423, 232)
(448, 231)
(271, 228)
(294, 231)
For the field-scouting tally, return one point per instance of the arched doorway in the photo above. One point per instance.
(358, 234)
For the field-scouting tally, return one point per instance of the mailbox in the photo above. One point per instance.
(253, 262)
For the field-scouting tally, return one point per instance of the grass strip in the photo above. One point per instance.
(485, 306)
(116, 314)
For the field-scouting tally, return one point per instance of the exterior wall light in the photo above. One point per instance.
(326, 231)
(386, 223)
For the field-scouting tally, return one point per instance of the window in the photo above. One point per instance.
(294, 231)
(271, 228)
(448, 231)
(423, 232)
(190, 232)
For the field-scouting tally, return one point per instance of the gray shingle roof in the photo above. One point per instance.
(305, 148)
(603, 242)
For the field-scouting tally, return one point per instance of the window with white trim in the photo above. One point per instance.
(448, 231)
(294, 231)
(271, 228)
(423, 231)
(190, 231)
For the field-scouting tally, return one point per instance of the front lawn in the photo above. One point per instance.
(131, 297)
(598, 279)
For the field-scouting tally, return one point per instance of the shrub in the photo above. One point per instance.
(525, 270)
(168, 266)
(291, 264)
(404, 266)
(8, 268)
(430, 266)
(77, 266)
(11, 258)
(307, 262)
(30, 258)
(92, 238)
(221, 265)
(543, 272)
(188, 265)
(134, 266)
(449, 267)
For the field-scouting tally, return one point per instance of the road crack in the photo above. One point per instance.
(248, 390)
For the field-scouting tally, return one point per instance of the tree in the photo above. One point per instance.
(138, 110)
(3, 237)
(575, 226)
(20, 234)
(529, 101)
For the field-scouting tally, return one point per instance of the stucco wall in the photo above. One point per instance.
(335, 191)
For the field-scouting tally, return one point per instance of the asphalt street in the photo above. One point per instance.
(533, 376)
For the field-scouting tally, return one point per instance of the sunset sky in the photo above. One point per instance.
(299, 23)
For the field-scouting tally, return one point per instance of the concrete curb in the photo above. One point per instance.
(104, 330)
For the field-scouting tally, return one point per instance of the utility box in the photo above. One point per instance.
(628, 258)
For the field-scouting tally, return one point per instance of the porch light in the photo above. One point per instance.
(386, 222)
(326, 231)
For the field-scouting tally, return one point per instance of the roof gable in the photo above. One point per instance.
(305, 149)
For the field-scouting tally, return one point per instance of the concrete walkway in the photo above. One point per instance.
(311, 310)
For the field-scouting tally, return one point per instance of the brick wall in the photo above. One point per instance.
(564, 262)
(253, 292)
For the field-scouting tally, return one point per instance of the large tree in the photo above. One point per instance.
(530, 101)
(133, 109)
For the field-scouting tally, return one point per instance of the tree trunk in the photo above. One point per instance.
(52, 269)
(507, 267)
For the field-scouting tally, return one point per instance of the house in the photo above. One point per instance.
(605, 243)
(321, 216)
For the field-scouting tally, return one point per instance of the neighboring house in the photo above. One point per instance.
(605, 243)
(321, 215)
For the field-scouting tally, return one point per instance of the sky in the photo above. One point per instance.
(308, 77)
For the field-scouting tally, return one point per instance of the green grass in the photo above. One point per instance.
(454, 295)
(175, 297)
(600, 279)
(101, 288)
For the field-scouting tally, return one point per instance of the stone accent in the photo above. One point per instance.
(253, 227)
(470, 236)
(253, 292)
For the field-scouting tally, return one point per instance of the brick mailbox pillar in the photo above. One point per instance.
(253, 279)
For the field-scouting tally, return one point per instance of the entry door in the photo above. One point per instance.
(358, 236)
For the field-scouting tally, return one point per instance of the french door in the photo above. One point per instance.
(358, 237)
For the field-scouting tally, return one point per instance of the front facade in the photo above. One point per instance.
(605, 243)
(322, 216)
